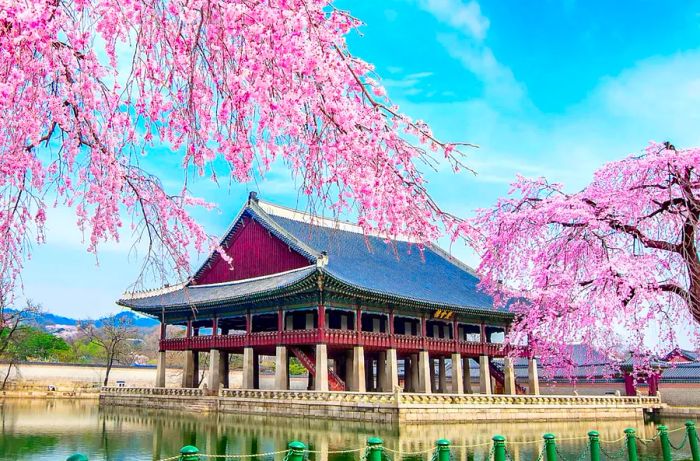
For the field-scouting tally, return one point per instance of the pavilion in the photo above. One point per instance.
(350, 307)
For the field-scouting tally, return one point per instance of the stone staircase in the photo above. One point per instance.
(496, 371)
(334, 382)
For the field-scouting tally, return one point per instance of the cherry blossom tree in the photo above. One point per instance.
(89, 88)
(615, 261)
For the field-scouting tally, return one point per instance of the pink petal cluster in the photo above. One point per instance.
(219, 82)
(615, 265)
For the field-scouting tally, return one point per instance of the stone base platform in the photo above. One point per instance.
(386, 407)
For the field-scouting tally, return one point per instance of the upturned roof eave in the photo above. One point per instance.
(287, 289)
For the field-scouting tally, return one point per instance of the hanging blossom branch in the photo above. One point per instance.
(618, 259)
(245, 81)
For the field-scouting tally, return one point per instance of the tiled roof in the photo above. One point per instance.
(377, 266)
(682, 373)
(395, 268)
(219, 292)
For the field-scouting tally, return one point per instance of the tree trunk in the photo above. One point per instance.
(7, 375)
(109, 368)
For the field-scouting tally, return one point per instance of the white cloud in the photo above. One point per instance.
(467, 44)
(499, 82)
(657, 99)
(465, 17)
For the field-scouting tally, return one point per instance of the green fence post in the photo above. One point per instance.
(189, 453)
(550, 447)
(443, 449)
(631, 444)
(499, 448)
(77, 457)
(296, 451)
(665, 444)
(374, 449)
(594, 444)
(693, 440)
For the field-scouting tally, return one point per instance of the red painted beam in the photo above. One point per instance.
(334, 338)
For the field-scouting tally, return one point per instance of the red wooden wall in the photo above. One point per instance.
(255, 252)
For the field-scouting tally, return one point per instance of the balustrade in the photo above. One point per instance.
(347, 338)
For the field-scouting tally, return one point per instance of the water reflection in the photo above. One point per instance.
(43, 430)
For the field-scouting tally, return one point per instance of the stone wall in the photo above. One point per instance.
(385, 407)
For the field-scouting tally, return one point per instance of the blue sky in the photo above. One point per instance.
(544, 88)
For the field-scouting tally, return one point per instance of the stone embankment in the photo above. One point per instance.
(386, 407)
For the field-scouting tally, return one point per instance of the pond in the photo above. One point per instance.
(53, 430)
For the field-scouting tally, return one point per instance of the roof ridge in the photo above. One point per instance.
(452, 259)
(308, 218)
(255, 207)
(253, 279)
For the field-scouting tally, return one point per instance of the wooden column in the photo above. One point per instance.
(248, 323)
(189, 328)
(280, 325)
(322, 320)
(215, 326)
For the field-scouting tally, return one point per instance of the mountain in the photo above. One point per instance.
(45, 319)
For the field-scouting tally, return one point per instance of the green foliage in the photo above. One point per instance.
(31, 343)
(296, 368)
(86, 350)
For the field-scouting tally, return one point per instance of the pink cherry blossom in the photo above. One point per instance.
(232, 82)
(615, 265)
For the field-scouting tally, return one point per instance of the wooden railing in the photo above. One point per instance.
(343, 338)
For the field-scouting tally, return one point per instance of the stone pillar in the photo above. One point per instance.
(433, 382)
(188, 372)
(214, 371)
(533, 380)
(457, 376)
(358, 369)
(391, 379)
(381, 372)
(467, 372)
(321, 381)
(248, 368)
(160, 370)
(484, 375)
(224, 369)
(442, 375)
(281, 370)
(424, 372)
(509, 377)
